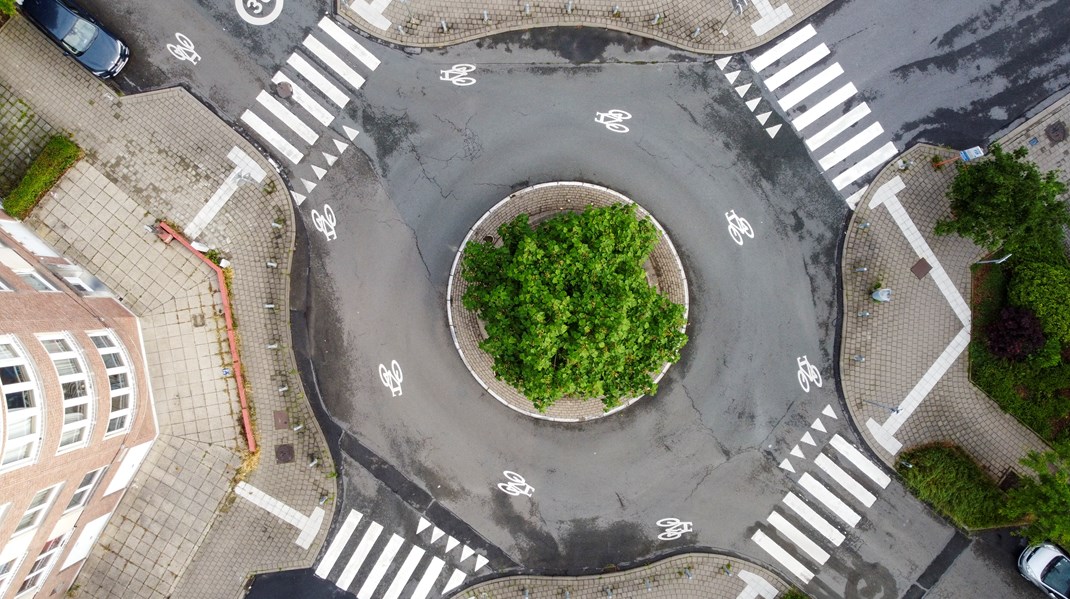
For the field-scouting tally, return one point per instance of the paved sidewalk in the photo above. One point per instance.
(910, 353)
(704, 26)
(181, 531)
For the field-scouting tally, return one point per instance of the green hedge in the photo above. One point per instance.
(7, 8)
(1045, 289)
(949, 480)
(54, 160)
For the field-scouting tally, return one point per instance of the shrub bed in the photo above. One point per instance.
(58, 155)
(954, 485)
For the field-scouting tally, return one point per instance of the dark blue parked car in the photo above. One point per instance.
(79, 35)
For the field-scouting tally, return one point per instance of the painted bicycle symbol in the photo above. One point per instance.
(252, 11)
(391, 378)
(674, 528)
(183, 50)
(458, 74)
(808, 373)
(325, 222)
(516, 486)
(612, 120)
(738, 227)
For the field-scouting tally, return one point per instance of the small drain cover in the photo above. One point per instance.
(284, 454)
(1056, 131)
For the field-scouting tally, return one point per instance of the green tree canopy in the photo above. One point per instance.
(568, 309)
(1044, 501)
(1044, 289)
(1005, 201)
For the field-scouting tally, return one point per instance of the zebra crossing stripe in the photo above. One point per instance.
(314, 77)
(824, 106)
(796, 67)
(829, 499)
(814, 519)
(428, 579)
(287, 117)
(335, 63)
(404, 574)
(381, 566)
(305, 101)
(786, 559)
(852, 202)
(793, 534)
(812, 85)
(781, 49)
(358, 557)
(850, 146)
(854, 456)
(838, 126)
(349, 42)
(271, 136)
(338, 543)
(845, 480)
(455, 581)
(877, 158)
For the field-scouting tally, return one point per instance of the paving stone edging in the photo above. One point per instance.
(541, 201)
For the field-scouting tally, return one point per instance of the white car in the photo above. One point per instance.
(1046, 566)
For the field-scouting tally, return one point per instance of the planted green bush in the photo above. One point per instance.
(7, 8)
(949, 480)
(57, 156)
(1044, 289)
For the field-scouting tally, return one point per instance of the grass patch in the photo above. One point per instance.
(58, 155)
(794, 593)
(1035, 393)
(954, 485)
(7, 9)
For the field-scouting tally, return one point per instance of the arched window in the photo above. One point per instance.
(120, 381)
(76, 388)
(22, 405)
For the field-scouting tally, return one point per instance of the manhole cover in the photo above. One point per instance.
(282, 419)
(921, 268)
(284, 454)
(1056, 131)
(284, 90)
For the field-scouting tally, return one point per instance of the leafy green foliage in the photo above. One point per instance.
(947, 479)
(1045, 501)
(57, 156)
(7, 8)
(568, 309)
(1044, 289)
(1004, 201)
(1015, 335)
(794, 593)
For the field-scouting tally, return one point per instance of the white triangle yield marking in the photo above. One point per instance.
(466, 553)
(330, 158)
(455, 581)
(763, 117)
(786, 465)
(351, 133)
(772, 131)
(422, 525)
(742, 90)
(806, 438)
(480, 562)
(818, 425)
(437, 534)
(309, 185)
(732, 76)
(722, 62)
(320, 171)
(752, 104)
(829, 412)
(341, 145)
(451, 543)
(795, 451)
(298, 198)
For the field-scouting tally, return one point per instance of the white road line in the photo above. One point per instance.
(877, 158)
(455, 581)
(838, 126)
(812, 85)
(428, 579)
(305, 101)
(381, 566)
(287, 117)
(349, 42)
(358, 557)
(850, 146)
(334, 62)
(780, 50)
(272, 136)
(814, 519)
(860, 461)
(338, 543)
(793, 534)
(797, 66)
(845, 480)
(824, 106)
(852, 202)
(833, 503)
(314, 77)
(793, 565)
(404, 574)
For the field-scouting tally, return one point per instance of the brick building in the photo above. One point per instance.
(77, 418)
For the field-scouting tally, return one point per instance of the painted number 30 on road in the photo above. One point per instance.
(258, 12)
